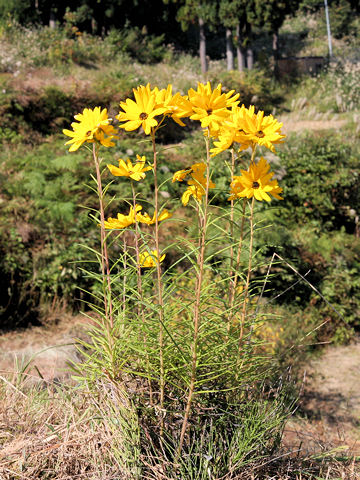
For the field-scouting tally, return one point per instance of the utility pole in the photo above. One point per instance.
(328, 27)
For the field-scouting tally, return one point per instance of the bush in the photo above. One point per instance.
(255, 87)
(40, 225)
(319, 232)
(137, 43)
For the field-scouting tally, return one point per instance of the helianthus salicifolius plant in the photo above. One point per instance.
(149, 260)
(91, 126)
(197, 181)
(134, 171)
(211, 107)
(142, 111)
(203, 351)
(255, 182)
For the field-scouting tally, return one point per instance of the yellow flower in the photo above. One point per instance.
(256, 182)
(263, 130)
(142, 112)
(123, 221)
(225, 141)
(211, 106)
(145, 218)
(136, 171)
(198, 176)
(148, 260)
(233, 130)
(91, 126)
(236, 188)
(180, 175)
(177, 106)
(197, 182)
(180, 108)
(192, 191)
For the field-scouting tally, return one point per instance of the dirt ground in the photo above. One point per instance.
(49, 348)
(300, 125)
(328, 416)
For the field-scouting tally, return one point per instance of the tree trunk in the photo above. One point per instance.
(229, 50)
(250, 58)
(202, 46)
(52, 21)
(93, 26)
(275, 48)
(240, 52)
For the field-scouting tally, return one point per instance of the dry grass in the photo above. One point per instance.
(52, 433)
(59, 432)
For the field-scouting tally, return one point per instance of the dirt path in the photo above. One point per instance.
(298, 125)
(48, 347)
(329, 411)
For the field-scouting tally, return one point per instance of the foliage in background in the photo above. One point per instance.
(336, 89)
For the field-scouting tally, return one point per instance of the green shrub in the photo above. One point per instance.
(255, 87)
(137, 43)
(319, 232)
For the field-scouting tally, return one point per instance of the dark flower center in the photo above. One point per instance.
(143, 116)
(88, 133)
(260, 134)
(209, 112)
(255, 185)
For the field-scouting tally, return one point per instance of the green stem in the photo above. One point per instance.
(140, 308)
(232, 277)
(237, 265)
(104, 254)
(246, 290)
(159, 290)
(197, 314)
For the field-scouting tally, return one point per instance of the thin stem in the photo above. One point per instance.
(202, 218)
(237, 265)
(246, 290)
(159, 289)
(104, 254)
(242, 320)
(232, 280)
(137, 251)
(125, 278)
(140, 308)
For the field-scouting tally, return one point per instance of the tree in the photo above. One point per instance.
(19, 10)
(271, 15)
(202, 12)
(237, 16)
(343, 14)
(229, 12)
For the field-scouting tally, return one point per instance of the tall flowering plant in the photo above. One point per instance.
(178, 333)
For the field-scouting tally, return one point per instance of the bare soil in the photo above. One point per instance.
(328, 417)
(297, 125)
(49, 348)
